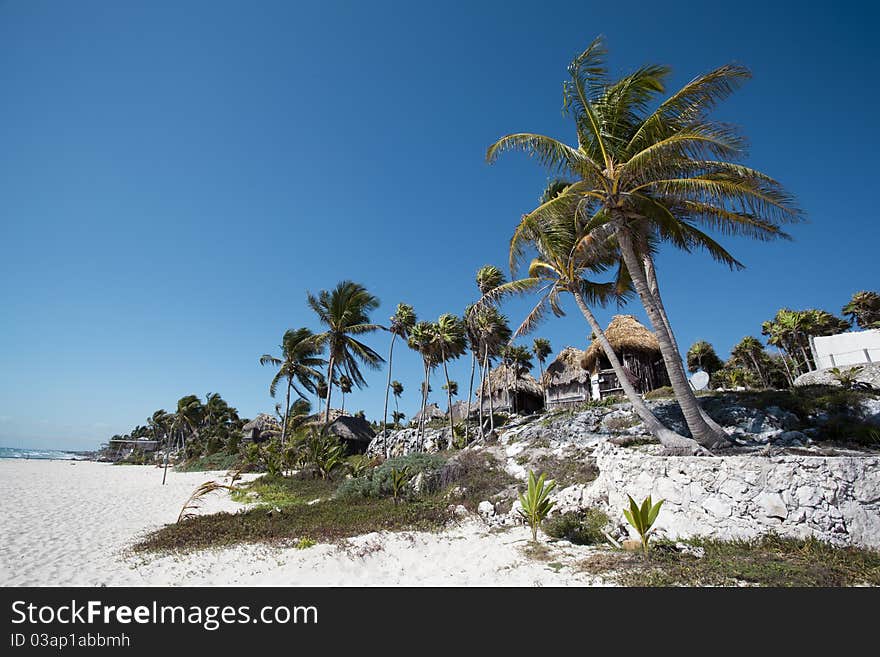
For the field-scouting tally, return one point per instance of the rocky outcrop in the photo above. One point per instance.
(404, 441)
(869, 373)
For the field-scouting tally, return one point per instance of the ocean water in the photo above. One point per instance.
(52, 454)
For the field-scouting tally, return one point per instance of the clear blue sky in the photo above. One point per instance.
(175, 176)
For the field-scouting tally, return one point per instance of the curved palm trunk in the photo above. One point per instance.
(330, 369)
(482, 394)
(690, 407)
(286, 410)
(758, 370)
(651, 277)
(449, 407)
(667, 437)
(467, 417)
(388, 385)
(491, 396)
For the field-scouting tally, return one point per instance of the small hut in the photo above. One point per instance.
(432, 412)
(461, 410)
(355, 432)
(565, 382)
(639, 353)
(512, 392)
(260, 429)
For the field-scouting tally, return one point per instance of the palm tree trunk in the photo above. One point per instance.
(690, 407)
(343, 402)
(467, 417)
(651, 276)
(491, 396)
(669, 439)
(388, 384)
(758, 369)
(482, 393)
(543, 387)
(449, 406)
(286, 410)
(330, 368)
(421, 435)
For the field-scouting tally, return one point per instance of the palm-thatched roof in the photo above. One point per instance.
(351, 428)
(462, 409)
(566, 368)
(625, 333)
(503, 378)
(432, 412)
(262, 427)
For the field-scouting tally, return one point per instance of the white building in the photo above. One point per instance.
(853, 348)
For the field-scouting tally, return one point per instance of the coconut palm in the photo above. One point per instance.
(450, 343)
(488, 278)
(542, 350)
(864, 309)
(421, 340)
(749, 353)
(791, 330)
(702, 356)
(492, 333)
(566, 256)
(397, 391)
(344, 384)
(190, 413)
(662, 174)
(397, 416)
(402, 322)
(297, 366)
(345, 312)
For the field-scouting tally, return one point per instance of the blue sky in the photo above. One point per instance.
(175, 176)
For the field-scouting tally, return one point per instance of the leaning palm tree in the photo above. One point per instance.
(661, 174)
(864, 309)
(493, 333)
(297, 366)
(402, 322)
(188, 418)
(565, 257)
(450, 343)
(345, 312)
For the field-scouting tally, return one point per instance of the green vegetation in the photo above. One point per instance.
(642, 518)
(216, 461)
(379, 481)
(280, 492)
(578, 527)
(768, 561)
(565, 471)
(665, 392)
(535, 502)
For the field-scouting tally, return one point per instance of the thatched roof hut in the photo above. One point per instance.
(639, 352)
(354, 431)
(565, 381)
(432, 412)
(261, 428)
(513, 392)
(461, 409)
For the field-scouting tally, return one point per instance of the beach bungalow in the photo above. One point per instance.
(565, 382)
(512, 393)
(432, 412)
(354, 432)
(639, 353)
(260, 429)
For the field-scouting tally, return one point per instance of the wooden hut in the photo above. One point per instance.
(565, 382)
(639, 353)
(512, 392)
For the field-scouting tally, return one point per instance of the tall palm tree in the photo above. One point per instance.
(345, 312)
(402, 322)
(493, 333)
(749, 353)
(397, 391)
(297, 366)
(542, 350)
(702, 356)
(480, 334)
(450, 343)
(566, 255)
(643, 174)
(864, 309)
(397, 416)
(188, 418)
(345, 388)
(421, 339)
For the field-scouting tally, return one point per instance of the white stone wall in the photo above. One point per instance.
(836, 499)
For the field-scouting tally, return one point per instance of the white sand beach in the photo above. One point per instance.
(71, 523)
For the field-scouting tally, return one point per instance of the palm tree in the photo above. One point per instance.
(397, 391)
(421, 339)
(300, 358)
(321, 391)
(702, 356)
(345, 388)
(402, 322)
(542, 350)
(749, 353)
(492, 333)
(345, 312)
(566, 255)
(397, 416)
(864, 309)
(450, 343)
(657, 175)
(189, 416)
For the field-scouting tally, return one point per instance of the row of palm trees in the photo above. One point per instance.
(636, 179)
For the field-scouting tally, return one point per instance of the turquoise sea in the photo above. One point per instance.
(51, 454)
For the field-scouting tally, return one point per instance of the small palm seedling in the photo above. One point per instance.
(535, 502)
(199, 494)
(399, 480)
(360, 464)
(846, 378)
(642, 518)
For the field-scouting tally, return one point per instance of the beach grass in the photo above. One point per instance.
(767, 561)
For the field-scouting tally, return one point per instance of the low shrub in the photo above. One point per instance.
(578, 527)
(379, 482)
(666, 392)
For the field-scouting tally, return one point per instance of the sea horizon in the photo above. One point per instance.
(43, 453)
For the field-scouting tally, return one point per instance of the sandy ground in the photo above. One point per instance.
(70, 523)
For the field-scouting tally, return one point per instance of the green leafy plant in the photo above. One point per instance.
(642, 518)
(399, 480)
(846, 378)
(305, 543)
(535, 502)
(326, 454)
(358, 465)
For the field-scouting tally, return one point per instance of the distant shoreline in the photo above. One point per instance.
(26, 454)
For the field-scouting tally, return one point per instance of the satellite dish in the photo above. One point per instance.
(700, 380)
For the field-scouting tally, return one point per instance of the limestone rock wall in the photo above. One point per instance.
(836, 499)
